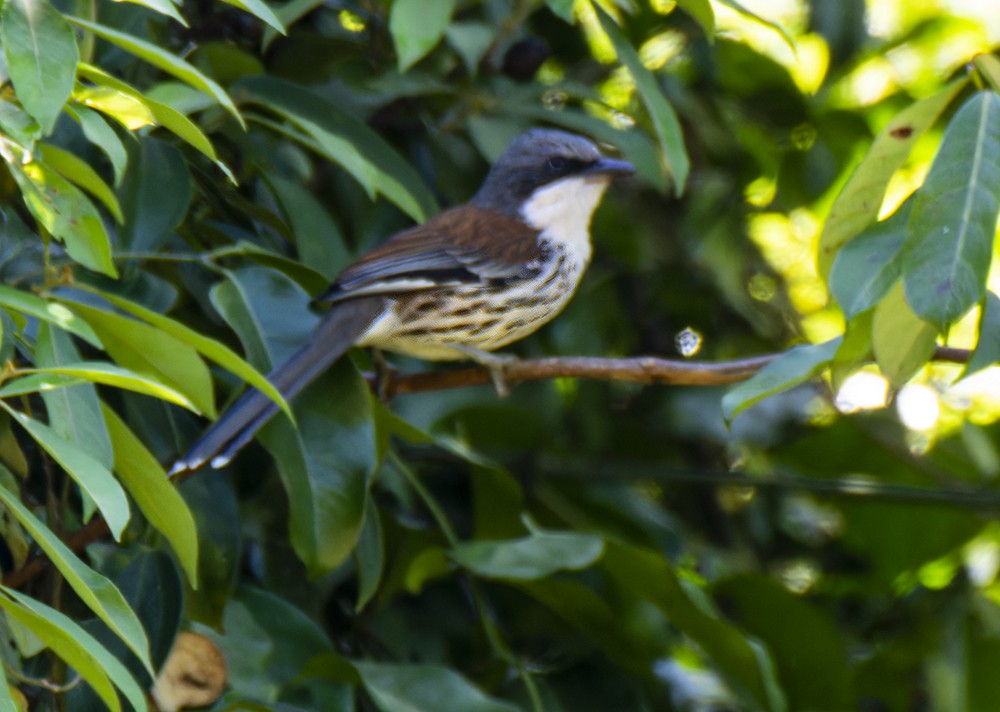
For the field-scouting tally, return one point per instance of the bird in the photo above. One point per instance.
(469, 281)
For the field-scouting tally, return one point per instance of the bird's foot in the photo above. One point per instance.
(383, 375)
(496, 363)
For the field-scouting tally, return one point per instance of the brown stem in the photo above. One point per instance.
(641, 369)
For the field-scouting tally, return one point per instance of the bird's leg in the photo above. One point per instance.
(383, 374)
(496, 363)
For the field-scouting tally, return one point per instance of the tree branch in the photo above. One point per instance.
(641, 369)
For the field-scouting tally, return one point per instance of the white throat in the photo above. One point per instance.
(561, 211)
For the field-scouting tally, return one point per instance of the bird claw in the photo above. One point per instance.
(495, 363)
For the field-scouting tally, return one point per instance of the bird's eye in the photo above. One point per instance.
(558, 164)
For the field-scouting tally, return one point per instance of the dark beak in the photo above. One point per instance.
(611, 167)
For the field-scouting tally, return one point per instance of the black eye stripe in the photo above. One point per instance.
(561, 165)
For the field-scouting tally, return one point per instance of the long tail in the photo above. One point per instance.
(334, 335)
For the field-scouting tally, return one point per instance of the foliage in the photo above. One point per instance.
(179, 178)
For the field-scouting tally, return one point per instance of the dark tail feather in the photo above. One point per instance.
(334, 335)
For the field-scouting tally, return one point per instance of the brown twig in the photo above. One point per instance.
(641, 369)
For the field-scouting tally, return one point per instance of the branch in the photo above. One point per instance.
(640, 369)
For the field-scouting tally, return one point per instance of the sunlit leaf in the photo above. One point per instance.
(161, 59)
(18, 124)
(80, 172)
(949, 244)
(158, 112)
(41, 55)
(858, 203)
(93, 477)
(164, 7)
(67, 213)
(901, 340)
(111, 375)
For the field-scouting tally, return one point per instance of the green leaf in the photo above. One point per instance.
(77, 647)
(987, 351)
(156, 498)
(155, 195)
(793, 367)
(51, 312)
(80, 172)
(207, 347)
(18, 124)
(867, 266)
(702, 12)
(369, 556)
(41, 55)
(97, 592)
(109, 374)
(949, 244)
(164, 7)
(169, 63)
(857, 205)
(789, 624)
(416, 27)
(318, 238)
(346, 140)
(424, 688)
(74, 413)
(327, 462)
(648, 576)
(563, 9)
(67, 213)
(537, 556)
(989, 67)
(901, 340)
(93, 477)
(470, 40)
(157, 112)
(668, 127)
(37, 383)
(260, 10)
(152, 353)
(128, 110)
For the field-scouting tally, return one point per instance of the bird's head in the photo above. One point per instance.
(551, 166)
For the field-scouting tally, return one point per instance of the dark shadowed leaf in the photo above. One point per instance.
(424, 688)
(537, 556)
(790, 626)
